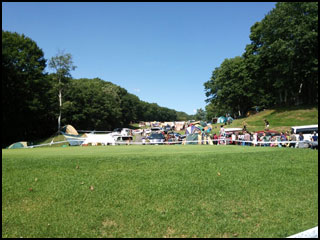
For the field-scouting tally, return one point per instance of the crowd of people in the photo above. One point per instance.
(263, 138)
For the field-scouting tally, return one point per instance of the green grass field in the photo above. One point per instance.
(159, 191)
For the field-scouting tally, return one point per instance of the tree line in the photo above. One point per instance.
(33, 100)
(278, 68)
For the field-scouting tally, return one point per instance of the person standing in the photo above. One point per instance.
(266, 123)
(215, 139)
(293, 140)
(222, 134)
(301, 137)
(254, 138)
(314, 141)
(233, 138)
(244, 126)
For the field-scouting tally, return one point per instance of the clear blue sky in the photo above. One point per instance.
(161, 52)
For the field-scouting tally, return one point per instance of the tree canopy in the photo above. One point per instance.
(25, 89)
(30, 103)
(278, 67)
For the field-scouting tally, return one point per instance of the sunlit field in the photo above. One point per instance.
(159, 191)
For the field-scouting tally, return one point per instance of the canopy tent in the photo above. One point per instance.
(18, 145)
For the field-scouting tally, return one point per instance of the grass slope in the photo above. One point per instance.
(280, 119)
(159, 191)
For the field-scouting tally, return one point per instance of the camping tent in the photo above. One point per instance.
(69, 130)
(192, 129)
(18, 145)
(222, 119)
(230, 119)
(203, 124)
(192, 137)
(72, 136)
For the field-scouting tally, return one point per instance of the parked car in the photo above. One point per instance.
(156, 138)
(137, 131)
(147, 131)
(307, 131)
(122, 131)
(229, 132)
(166, 129)
(156, 129)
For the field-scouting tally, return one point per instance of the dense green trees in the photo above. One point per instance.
(25, 90)
(200, 115)
(30, 103)
(278, 67)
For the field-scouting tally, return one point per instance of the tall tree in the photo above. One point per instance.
(200, 115)
(24, 89)
(285, 45)
(230, 90)
(62, 63)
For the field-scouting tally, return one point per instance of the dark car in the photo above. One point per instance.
(156, 138)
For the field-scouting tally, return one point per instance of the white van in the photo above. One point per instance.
(307, 131)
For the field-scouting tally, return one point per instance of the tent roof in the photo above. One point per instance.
(69, 130)
(18, 145)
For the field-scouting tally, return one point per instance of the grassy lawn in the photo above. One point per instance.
(159, 191)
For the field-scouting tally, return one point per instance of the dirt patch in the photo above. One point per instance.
(109, 223)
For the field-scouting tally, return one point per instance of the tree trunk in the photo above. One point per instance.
(285, 96)
(60, 104)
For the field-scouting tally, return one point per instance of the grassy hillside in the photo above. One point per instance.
(158, 191)
(280, 119)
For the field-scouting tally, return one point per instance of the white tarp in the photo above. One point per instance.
(103, 139)
(311, 233)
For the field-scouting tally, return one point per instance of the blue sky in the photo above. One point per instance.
(162, 52)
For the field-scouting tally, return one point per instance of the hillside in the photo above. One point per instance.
(280, 119)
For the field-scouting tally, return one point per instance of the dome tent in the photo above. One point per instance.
(18, 145)
(72, 136)
(222, 119)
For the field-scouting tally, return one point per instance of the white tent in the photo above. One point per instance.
(95, 139)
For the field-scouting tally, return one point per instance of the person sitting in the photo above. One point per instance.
(283, 139)
(293, 140)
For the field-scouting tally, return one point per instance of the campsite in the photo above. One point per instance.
(162, 190)
(160, 120)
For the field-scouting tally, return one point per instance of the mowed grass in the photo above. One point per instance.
(159, 191)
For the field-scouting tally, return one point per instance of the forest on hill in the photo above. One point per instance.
(30, 103)
(278, 68)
